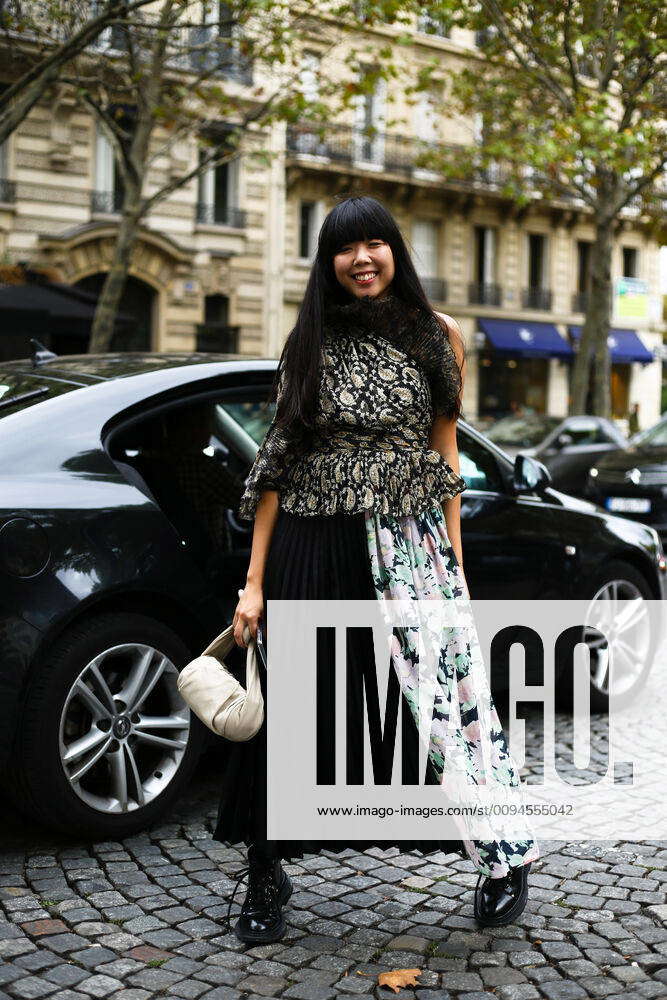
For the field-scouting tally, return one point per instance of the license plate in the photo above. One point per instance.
(631, 505)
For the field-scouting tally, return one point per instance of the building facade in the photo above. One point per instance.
(222, 263)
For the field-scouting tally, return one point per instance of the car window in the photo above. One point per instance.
(253, 416)
(478, 466)
(654, 437)
(18, 391)
(590, 434)
(524, 432)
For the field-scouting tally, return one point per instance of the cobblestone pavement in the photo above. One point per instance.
(142, 919)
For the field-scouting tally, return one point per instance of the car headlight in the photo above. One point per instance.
(659, 550)
(593, 473)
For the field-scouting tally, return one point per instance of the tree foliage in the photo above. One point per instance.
(572, 102)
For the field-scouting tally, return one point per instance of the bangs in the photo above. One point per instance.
(354, 220)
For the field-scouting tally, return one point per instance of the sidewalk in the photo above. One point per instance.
(140, 919)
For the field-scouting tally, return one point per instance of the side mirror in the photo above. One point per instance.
(564, 439)
(530, 476)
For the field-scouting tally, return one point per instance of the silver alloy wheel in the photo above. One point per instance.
(124, 728)
(621, 613)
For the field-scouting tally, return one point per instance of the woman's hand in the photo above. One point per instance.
(248, 612)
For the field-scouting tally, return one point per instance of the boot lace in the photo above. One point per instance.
(261, 889)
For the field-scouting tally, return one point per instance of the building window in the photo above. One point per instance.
(217, 201)
(215, 43)
(630, 262)
(303, 141)
(425, 244)
(369, 117)
(307, 229)
(537, 295)
(536, 259)
(485, 255)
(484, 289)
(484, 35)
(425, 117)
(109, 191)
(215, 333)
(115, 37)
(309, 76)
(430, 24)
(580, 297)
(583, 265)
(425, 233)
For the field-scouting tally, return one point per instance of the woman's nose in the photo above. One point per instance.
(362, 256)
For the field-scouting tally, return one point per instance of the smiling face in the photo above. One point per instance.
(365, 267)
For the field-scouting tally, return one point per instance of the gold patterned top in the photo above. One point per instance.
(385, 373)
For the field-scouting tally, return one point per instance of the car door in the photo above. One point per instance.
(587, 440)
(512, 545)
(193, 455)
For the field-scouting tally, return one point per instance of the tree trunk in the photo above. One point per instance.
(593, 347)
(133, 180)
(114, 284)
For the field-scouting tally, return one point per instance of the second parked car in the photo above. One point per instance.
(632, 481)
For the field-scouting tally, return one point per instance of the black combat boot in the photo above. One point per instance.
(269, 887)
(501, 900)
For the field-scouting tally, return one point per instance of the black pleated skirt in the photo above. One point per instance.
(320, 557)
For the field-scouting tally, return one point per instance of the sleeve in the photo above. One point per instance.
(275, 458)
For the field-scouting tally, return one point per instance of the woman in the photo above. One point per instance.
(355, 492)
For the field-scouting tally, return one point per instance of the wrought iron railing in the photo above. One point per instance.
(218, 55)
(484, 294)
(579, 302)
(344, 144)
(536, 298)
(411, 156)
(221, 215)
(435, 288)
(218, 337)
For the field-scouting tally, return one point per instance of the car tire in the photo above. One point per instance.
(117, 646)
(629, 581)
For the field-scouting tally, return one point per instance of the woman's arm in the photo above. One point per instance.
(251, 603)
(443, 440)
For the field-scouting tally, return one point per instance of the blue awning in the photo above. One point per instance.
(529, 340)
(624, 346)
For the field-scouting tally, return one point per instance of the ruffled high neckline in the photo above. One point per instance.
(369, 312)
(413, 330)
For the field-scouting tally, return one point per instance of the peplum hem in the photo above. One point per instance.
(399, 481)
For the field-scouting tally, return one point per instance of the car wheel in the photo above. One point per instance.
(106, 742)
(621, 606)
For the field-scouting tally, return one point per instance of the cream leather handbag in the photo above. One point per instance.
(214, 694)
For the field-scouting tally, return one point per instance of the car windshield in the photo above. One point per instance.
(654, 437)
(524, 432)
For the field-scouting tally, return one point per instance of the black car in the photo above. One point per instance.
(121, 556)
(632, 481)
(568, 446)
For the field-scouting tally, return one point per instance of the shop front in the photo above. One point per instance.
(625, 349)
(517, 366)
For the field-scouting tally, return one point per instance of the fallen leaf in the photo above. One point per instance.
(399, 977)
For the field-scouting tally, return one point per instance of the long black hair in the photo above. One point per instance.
(359, 217)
